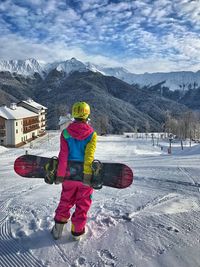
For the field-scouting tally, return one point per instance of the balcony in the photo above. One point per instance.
(30, 128)
(29, 122)
(2, 131)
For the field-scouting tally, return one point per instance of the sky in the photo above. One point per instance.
(141, 36)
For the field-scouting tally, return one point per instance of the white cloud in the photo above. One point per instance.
(159, 34)
(154, 64)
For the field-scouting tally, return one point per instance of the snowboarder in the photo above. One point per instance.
(77, 142)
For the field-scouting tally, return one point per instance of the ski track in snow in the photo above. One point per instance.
(12, 253)
(138, 226)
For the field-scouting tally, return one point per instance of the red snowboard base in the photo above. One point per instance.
(116, 175)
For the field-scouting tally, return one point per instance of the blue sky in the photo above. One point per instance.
(142, 36)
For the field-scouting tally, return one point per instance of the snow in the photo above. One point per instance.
(67, 66)
(25, 67)
(15, 113)
(172, 80)
(180, 80)
(33, 104)
(155, 222)
(2, 149)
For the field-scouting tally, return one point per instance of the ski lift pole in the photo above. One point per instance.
(152, 135)
(170, 145)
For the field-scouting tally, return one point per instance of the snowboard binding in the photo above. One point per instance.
(97, 181)
(51, 168)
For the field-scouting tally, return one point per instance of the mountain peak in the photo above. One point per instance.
(172, 80)
(73, 59)
(70, 65)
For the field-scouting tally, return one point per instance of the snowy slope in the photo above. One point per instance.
(155, 222)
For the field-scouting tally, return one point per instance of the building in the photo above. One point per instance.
(33, 106)
(19, 125)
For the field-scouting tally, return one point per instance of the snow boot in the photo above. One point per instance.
(57, 230)
(78, 236)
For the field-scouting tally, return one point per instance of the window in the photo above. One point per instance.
(16, 131)
(16, 123)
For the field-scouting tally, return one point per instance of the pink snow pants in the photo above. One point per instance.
(78, 194)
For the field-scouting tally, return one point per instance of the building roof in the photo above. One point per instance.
(33, 104)
(15, 112)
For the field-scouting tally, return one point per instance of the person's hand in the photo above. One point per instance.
(87, 179)
(59, 180)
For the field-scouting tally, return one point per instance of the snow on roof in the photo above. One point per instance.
(34, 104)
(15, 113)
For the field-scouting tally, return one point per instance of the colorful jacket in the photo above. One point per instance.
(77, 142)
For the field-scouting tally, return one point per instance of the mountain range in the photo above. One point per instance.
(182, 80)
(116, 105)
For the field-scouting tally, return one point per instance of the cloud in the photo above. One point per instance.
(156, 35)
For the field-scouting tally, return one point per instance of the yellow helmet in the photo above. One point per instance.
(80, 110)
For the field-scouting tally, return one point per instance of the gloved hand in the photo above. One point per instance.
(59, 180)
(87, 178)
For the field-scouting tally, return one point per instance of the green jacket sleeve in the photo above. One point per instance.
(89, 154)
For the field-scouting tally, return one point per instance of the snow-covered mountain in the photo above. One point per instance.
(25, 67)
(182, 80)
(66, 66)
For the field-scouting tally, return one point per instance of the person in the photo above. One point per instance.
(78, 143)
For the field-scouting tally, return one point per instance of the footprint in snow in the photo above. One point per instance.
(169, 228)
(107, 257)
(45, 223)
(79, 262)
(20, 234)
(33, 225)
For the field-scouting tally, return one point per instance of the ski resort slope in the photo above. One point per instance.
(153, 223)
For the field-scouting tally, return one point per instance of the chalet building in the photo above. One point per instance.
(37, 108)
(19, 125)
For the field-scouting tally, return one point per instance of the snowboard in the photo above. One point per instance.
(116, 175)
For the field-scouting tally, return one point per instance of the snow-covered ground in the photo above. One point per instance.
(155, 222)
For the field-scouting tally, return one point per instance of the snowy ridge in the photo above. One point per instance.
(182, 80)
(67, 66)
(25, 67)
(71, 65)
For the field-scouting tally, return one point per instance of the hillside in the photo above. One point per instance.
(192, 99)
(189, 98)
(116, 106)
